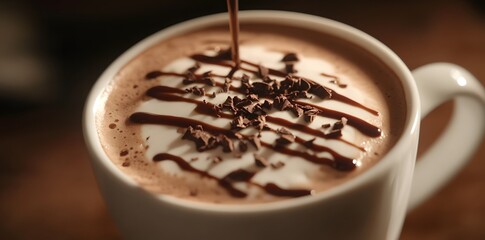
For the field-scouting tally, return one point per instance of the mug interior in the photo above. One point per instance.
(97, 98)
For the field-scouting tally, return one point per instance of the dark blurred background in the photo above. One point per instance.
(52, 51)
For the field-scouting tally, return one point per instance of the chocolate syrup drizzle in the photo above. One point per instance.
(239, 175)
(222, 60)
(163, 93)
(339, 162)
(172, 94)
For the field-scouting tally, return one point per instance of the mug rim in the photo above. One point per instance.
(97, 97)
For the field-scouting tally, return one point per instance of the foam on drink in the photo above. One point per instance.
(161, 100)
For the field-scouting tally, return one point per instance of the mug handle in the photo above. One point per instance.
(438, 83)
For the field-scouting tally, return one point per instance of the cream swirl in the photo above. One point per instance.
(336, 135)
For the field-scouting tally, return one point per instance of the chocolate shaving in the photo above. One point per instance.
(260, 161)
(226, 143)
(310, 114)
(217, 109)
(237, 100)
(196, 91)
(202, 139)
(253, 97)
(227, 85)
(296, 110)
(259, 122)
(283, 131)
(338, 125)
(336, 130)
(277, 87)
(281, 103)
(286, 86)
(286, 137)
(267, 105)
(240, 122)
(294, 87)
(243, 146)
(254, 110)
(261, 88)
(320, 91)
(277, 165)
(245, 85)
(240, 103)
(209, 81)
(229, 104)
(303, 85)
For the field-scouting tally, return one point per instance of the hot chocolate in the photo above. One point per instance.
(301, 113)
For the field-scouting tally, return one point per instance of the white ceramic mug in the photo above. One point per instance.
(370, 206)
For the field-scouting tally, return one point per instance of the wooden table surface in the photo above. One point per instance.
(47, 188)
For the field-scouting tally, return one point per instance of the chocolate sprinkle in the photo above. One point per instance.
(196, 91)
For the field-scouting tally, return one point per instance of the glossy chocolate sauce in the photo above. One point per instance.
(239, 175)
(232, 8)
(244, 118)
(166, 93)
